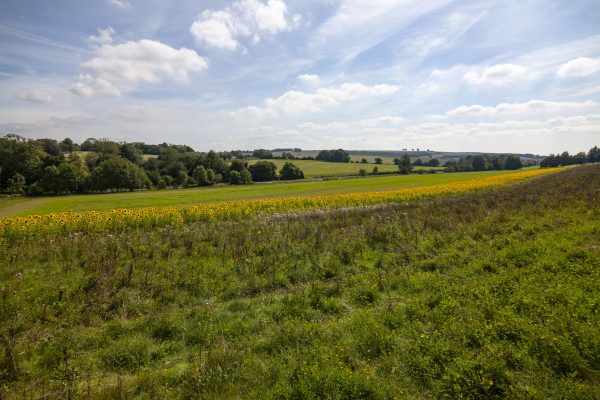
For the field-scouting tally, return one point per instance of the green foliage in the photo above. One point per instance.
(66, 178)
(19, 156)
(434, 162)
(16, 184)
(290, 172)
(404, 165)
(201, 176)
(338, 155)
(235, 178)
(512, 163)
(116, 174)
(262, 154)
(263, 171)
(555, 160)
(245, 177)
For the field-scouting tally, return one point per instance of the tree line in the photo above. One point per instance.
(557, 160)
(47, 166)
(485, 162)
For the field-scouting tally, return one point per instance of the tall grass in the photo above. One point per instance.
(484, 295)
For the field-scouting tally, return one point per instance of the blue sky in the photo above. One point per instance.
(496, 76)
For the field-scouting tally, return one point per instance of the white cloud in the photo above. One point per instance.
(89, 86)
(387, 120)
(123, 4)
(580, 67)
(533, 106)
(358, 25)
(37, 96)
(448, 30)
(309, 78)
(130, 64)
(104, 36)
(244, 19)
(297, 102)
(500, 74)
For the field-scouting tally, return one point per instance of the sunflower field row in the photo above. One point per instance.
(57, 224)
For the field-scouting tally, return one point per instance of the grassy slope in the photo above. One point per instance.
(163, 198)
(487, 295)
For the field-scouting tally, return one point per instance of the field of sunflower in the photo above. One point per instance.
(12, 228)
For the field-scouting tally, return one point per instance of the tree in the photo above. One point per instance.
(338, 155)
(404, 165)
(217, 164)
(363, 160)
(20, 156)
(16, 184)
(593, 155)
(262, 154)
(479, 163)
(434, 162)
(181, 178)
(580, 158)
(200, 175)
(362, 172)
(418, 162)
(64, 179)
(290, 172)
(513, 162)
(263, 171)
(237, 165)
(245, 177)
(565, 158)
(118, 173)
(378, 160)
(375, 171)
(211, 176)
(67, 145)
(131, 153)
(235, 178)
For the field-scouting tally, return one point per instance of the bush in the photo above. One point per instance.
(290, 172)
(263, 171)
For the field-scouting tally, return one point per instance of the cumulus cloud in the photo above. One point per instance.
(130, 64)
(500, 74)
(89, 86)
(579, 67)
(250, 19)
(104, 36)
(308, 78)
(530, 107)
(298, 102)
(123, 4)
(36, 96)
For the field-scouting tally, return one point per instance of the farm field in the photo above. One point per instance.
(165, 198)
(388, 160)
(313, 169)
(488, 294)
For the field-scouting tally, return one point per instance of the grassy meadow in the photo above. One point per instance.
(180, 197)
(487, 294)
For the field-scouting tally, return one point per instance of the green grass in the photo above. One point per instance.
(164, 198)
(487, 295)
(313, 169)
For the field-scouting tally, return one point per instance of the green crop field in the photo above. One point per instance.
(486, 295)
(321, 168)
(163, 198)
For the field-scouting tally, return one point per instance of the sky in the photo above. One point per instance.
(517, 76)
